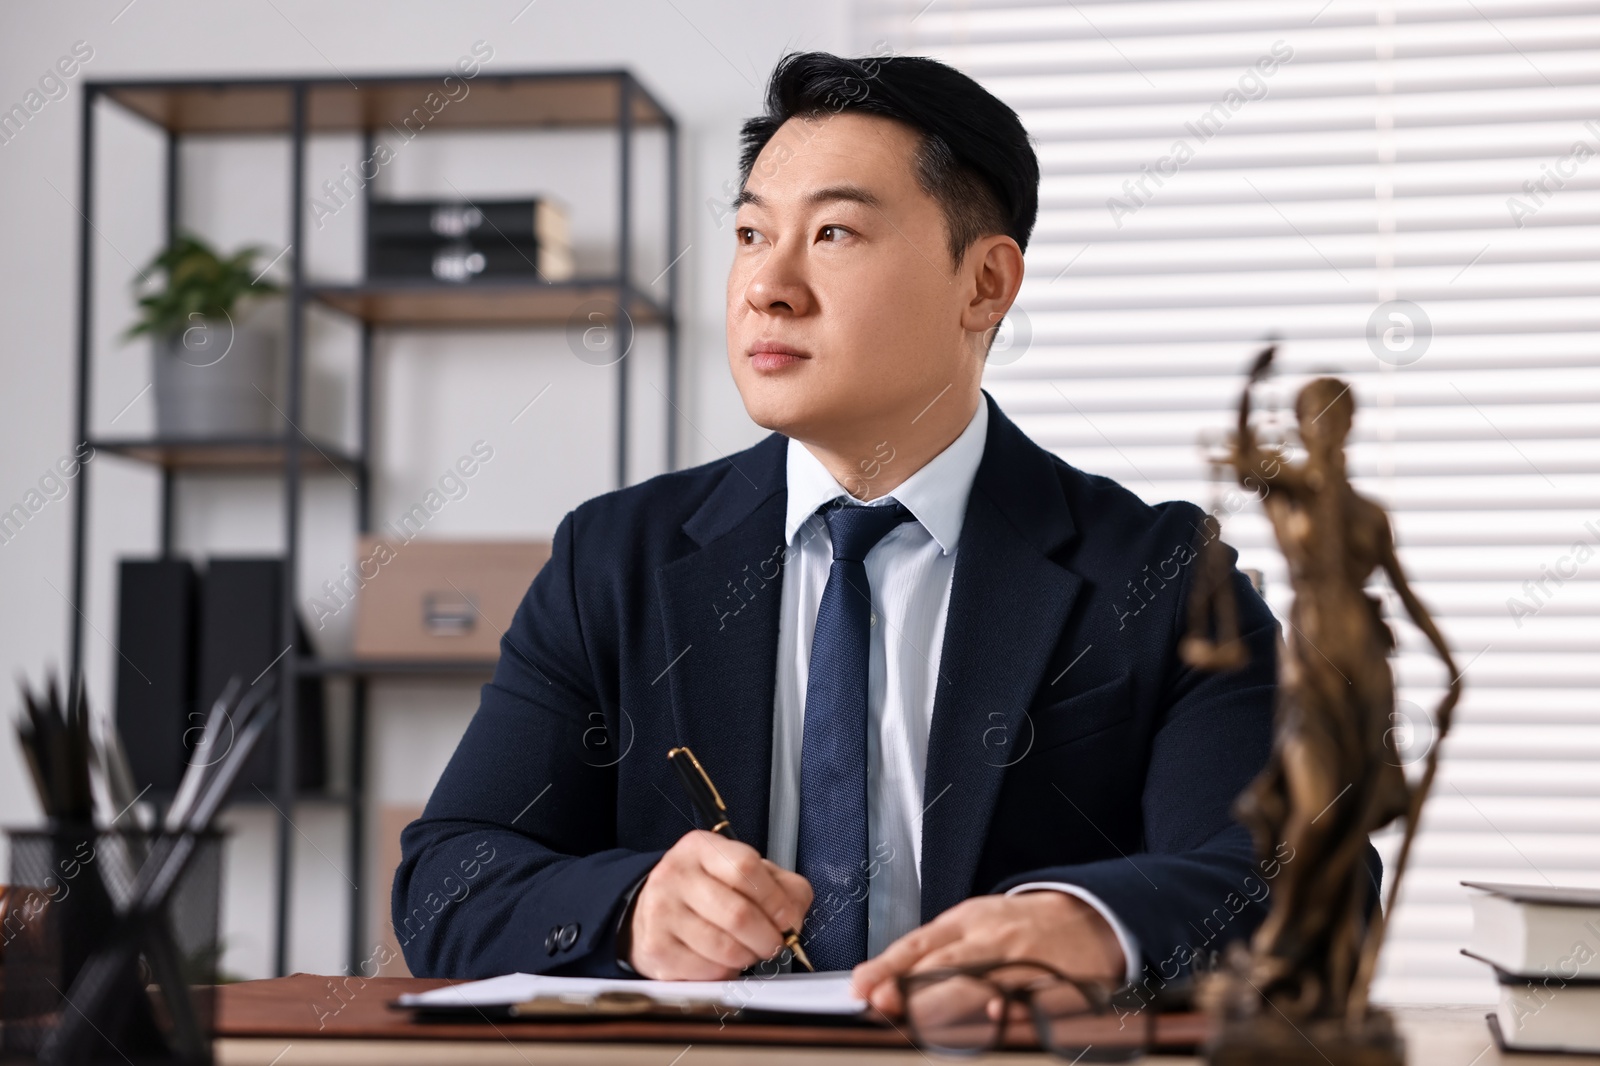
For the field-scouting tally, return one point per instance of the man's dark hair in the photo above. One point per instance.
(974, 159)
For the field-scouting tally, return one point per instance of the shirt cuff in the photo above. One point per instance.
(1125, 939)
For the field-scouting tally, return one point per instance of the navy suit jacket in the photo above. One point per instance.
(1068, 742)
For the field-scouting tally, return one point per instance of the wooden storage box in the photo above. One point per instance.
(440, 599)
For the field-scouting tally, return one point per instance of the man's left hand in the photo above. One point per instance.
(1045, 926)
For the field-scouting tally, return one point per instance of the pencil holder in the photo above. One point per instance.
(93, 976)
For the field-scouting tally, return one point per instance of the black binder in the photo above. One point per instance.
(156, 602)
(431, 221)
(460, 242)
(240, 601)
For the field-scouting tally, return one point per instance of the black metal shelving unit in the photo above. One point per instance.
(298, 108)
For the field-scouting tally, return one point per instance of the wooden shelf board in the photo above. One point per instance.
(480, 303)
(384, 105)
(396, 667)
(244, 794)
(216, 453)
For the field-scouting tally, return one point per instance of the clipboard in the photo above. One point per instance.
(617, 1006)
(804, 999)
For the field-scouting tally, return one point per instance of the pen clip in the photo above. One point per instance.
(715, 795)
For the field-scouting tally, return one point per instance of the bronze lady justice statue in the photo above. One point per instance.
(1334, 775)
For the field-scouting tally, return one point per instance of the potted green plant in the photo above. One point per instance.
(216, 364)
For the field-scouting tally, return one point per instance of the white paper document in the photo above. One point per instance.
(796, 993)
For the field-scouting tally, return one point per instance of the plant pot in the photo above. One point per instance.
(218, 378)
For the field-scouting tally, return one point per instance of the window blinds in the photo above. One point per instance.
(1407, 195)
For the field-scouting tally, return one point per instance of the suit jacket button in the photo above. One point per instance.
(568, 937)
(550, 939)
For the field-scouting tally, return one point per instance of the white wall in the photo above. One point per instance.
(435, 394)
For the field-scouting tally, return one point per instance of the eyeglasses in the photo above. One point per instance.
(964, 1010)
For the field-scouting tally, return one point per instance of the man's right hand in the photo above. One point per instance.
(711, 907)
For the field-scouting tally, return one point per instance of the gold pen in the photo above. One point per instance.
(708, 801)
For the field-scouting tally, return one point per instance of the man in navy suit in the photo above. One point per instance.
(930, 666)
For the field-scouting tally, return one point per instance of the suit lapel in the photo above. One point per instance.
(1008, 604)
(719, 607)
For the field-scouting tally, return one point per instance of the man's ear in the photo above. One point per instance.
(993, 268)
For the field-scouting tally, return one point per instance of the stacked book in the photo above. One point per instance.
(463, 242)
(1544, 945)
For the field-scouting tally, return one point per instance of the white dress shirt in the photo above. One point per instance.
(910, 571)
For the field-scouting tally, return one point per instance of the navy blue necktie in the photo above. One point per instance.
(831, 851)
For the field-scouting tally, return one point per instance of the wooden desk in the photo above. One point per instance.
(364, 1032)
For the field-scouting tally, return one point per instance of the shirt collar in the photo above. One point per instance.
(936, 494)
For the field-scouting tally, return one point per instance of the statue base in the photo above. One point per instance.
(1271, 1040)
